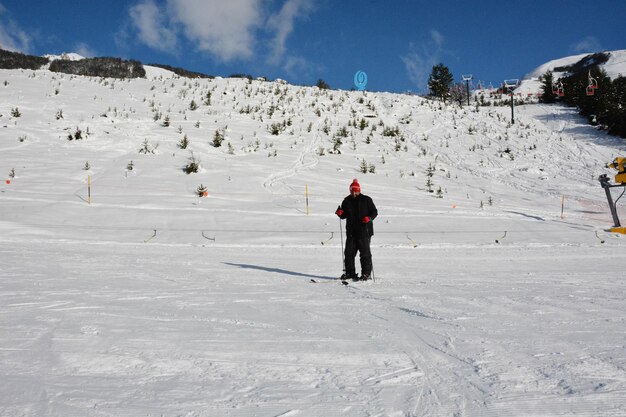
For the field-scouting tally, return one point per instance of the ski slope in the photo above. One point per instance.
(141, 298)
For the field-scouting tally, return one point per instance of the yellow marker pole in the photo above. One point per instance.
(562, 205)
(88, 189)
(306, 188)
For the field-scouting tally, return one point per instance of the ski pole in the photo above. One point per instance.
(343, 261)
(373, 275)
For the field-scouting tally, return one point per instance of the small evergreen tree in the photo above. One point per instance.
(364, 167)
(429, 185)
(201, 191)
(193, 165)
(337, 144)
(218, 138)
(184, 142)
(146, 148)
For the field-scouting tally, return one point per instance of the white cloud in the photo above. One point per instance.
(228, 30)
(422, 57)
(437, 38)
(225, 29)
(299, 67)
(12, 37)
(151, 26)
(83, 49)
(589, 44)
(282, 24)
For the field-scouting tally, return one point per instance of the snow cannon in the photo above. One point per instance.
(618, 164)
(620, 181)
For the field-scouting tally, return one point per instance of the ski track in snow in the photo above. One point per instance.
(308, 153)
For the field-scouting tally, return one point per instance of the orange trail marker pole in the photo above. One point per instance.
(88, 189)
(306, 191)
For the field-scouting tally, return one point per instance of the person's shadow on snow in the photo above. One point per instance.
(278, 270)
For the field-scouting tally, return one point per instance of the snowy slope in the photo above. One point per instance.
(614, 67)
(154, 301)
(68, 56)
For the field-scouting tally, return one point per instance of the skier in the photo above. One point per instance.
(359, 211)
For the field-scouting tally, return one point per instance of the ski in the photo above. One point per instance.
(326, 281)
(343, 281)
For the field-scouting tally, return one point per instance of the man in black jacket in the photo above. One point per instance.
(359, 211)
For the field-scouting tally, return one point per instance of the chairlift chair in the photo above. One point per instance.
(511, 85)
(560, 89)
(593, 83)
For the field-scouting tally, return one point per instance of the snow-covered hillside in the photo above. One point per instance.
(615, 67)
(142, 298)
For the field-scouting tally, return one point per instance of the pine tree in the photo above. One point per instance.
(218, 138)
(439, 81)
(201, 191)
(364, 168)
(322, 85)
(184, 142)
(193, 165)
(547, 95)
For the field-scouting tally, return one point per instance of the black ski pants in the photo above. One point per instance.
(362, 245)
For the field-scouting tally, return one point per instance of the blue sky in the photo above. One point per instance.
(395, 42)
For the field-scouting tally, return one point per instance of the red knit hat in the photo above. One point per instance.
(355, 186)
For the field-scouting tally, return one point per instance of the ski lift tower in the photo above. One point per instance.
(467, 78)
(510, 85)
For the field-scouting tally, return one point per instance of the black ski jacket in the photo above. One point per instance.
(354, 209)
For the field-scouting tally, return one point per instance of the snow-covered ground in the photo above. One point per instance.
(153, 301)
